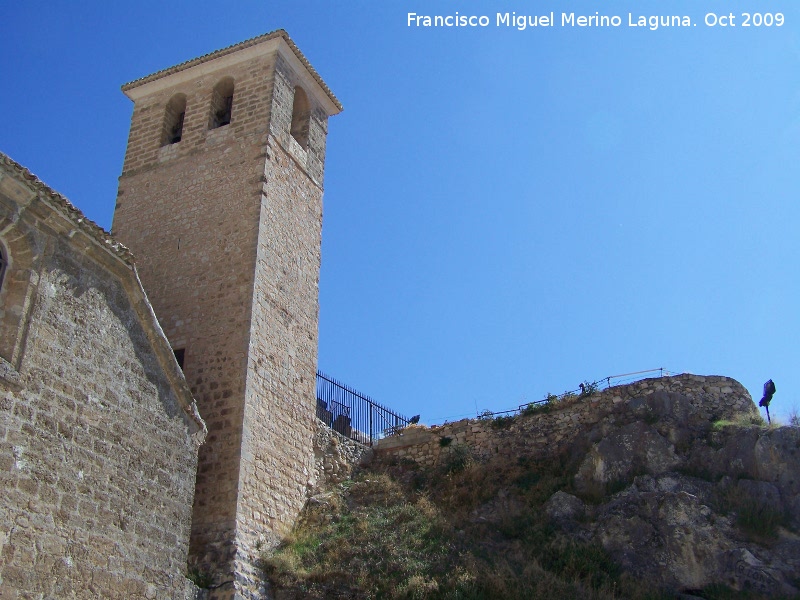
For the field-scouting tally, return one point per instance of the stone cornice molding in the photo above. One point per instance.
(268, 43)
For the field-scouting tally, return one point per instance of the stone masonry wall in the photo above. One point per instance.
(336, 458)
(711, 398)
(96, 462)
(190, 212)
(280, 403)
(227, 227)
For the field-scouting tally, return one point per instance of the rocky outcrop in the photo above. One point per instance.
(623, 452)
(721, 510)
(678, 495)
(676, 532)
(679, 407)
(565, 509)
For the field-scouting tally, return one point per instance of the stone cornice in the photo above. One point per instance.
(265, 43)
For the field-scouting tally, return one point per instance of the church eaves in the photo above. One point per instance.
(278, 33)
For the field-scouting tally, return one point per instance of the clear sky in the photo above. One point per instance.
(507, 212)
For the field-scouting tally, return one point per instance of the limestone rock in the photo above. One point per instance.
(624, 453)
(745, 571)
(665, 529)
(669, 538)
(563, 507)
(777, 457)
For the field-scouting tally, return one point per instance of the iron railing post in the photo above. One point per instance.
(343, 409)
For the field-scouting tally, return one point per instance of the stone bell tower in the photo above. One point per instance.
(220, 199)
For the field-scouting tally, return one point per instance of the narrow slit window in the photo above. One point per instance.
(173, 120)
(221, 104)
(180, 354)
(301, 117)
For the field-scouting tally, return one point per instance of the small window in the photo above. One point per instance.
(173, 120)
(221, 104)
(301, 117)
(180, 353)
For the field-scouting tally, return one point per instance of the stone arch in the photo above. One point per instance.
(301, 117)
(174, 114)
(16, 291)
(221, 103)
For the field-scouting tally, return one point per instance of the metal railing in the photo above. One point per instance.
(353, 414)
(585, 389)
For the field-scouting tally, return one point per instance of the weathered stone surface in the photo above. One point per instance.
(98, 436)
(667, 538)
(724, 456)
(564, 508)
(747, 572)
(336, 457)
(630, 450)
(226, 225)
(667, 487)
(777, 457)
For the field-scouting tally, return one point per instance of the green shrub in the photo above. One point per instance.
(377, 542)
(758, 519)
(503, 422)
(202, 579)
(485, 415)
(568, 397)
(587, 562)
(527, 480)
(458, 459)
(535, 408)
(748, 420)
(650, 416)
(755, 517)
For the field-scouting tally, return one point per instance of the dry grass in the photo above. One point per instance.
(741, 421)
(379, 536)
(477, 532)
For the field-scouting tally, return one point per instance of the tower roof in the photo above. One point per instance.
(279, 34)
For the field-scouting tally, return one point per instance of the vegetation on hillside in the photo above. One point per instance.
(463, 530)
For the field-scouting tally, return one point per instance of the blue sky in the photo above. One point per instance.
(507, 213)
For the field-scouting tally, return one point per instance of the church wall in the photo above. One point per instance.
(96, 460)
